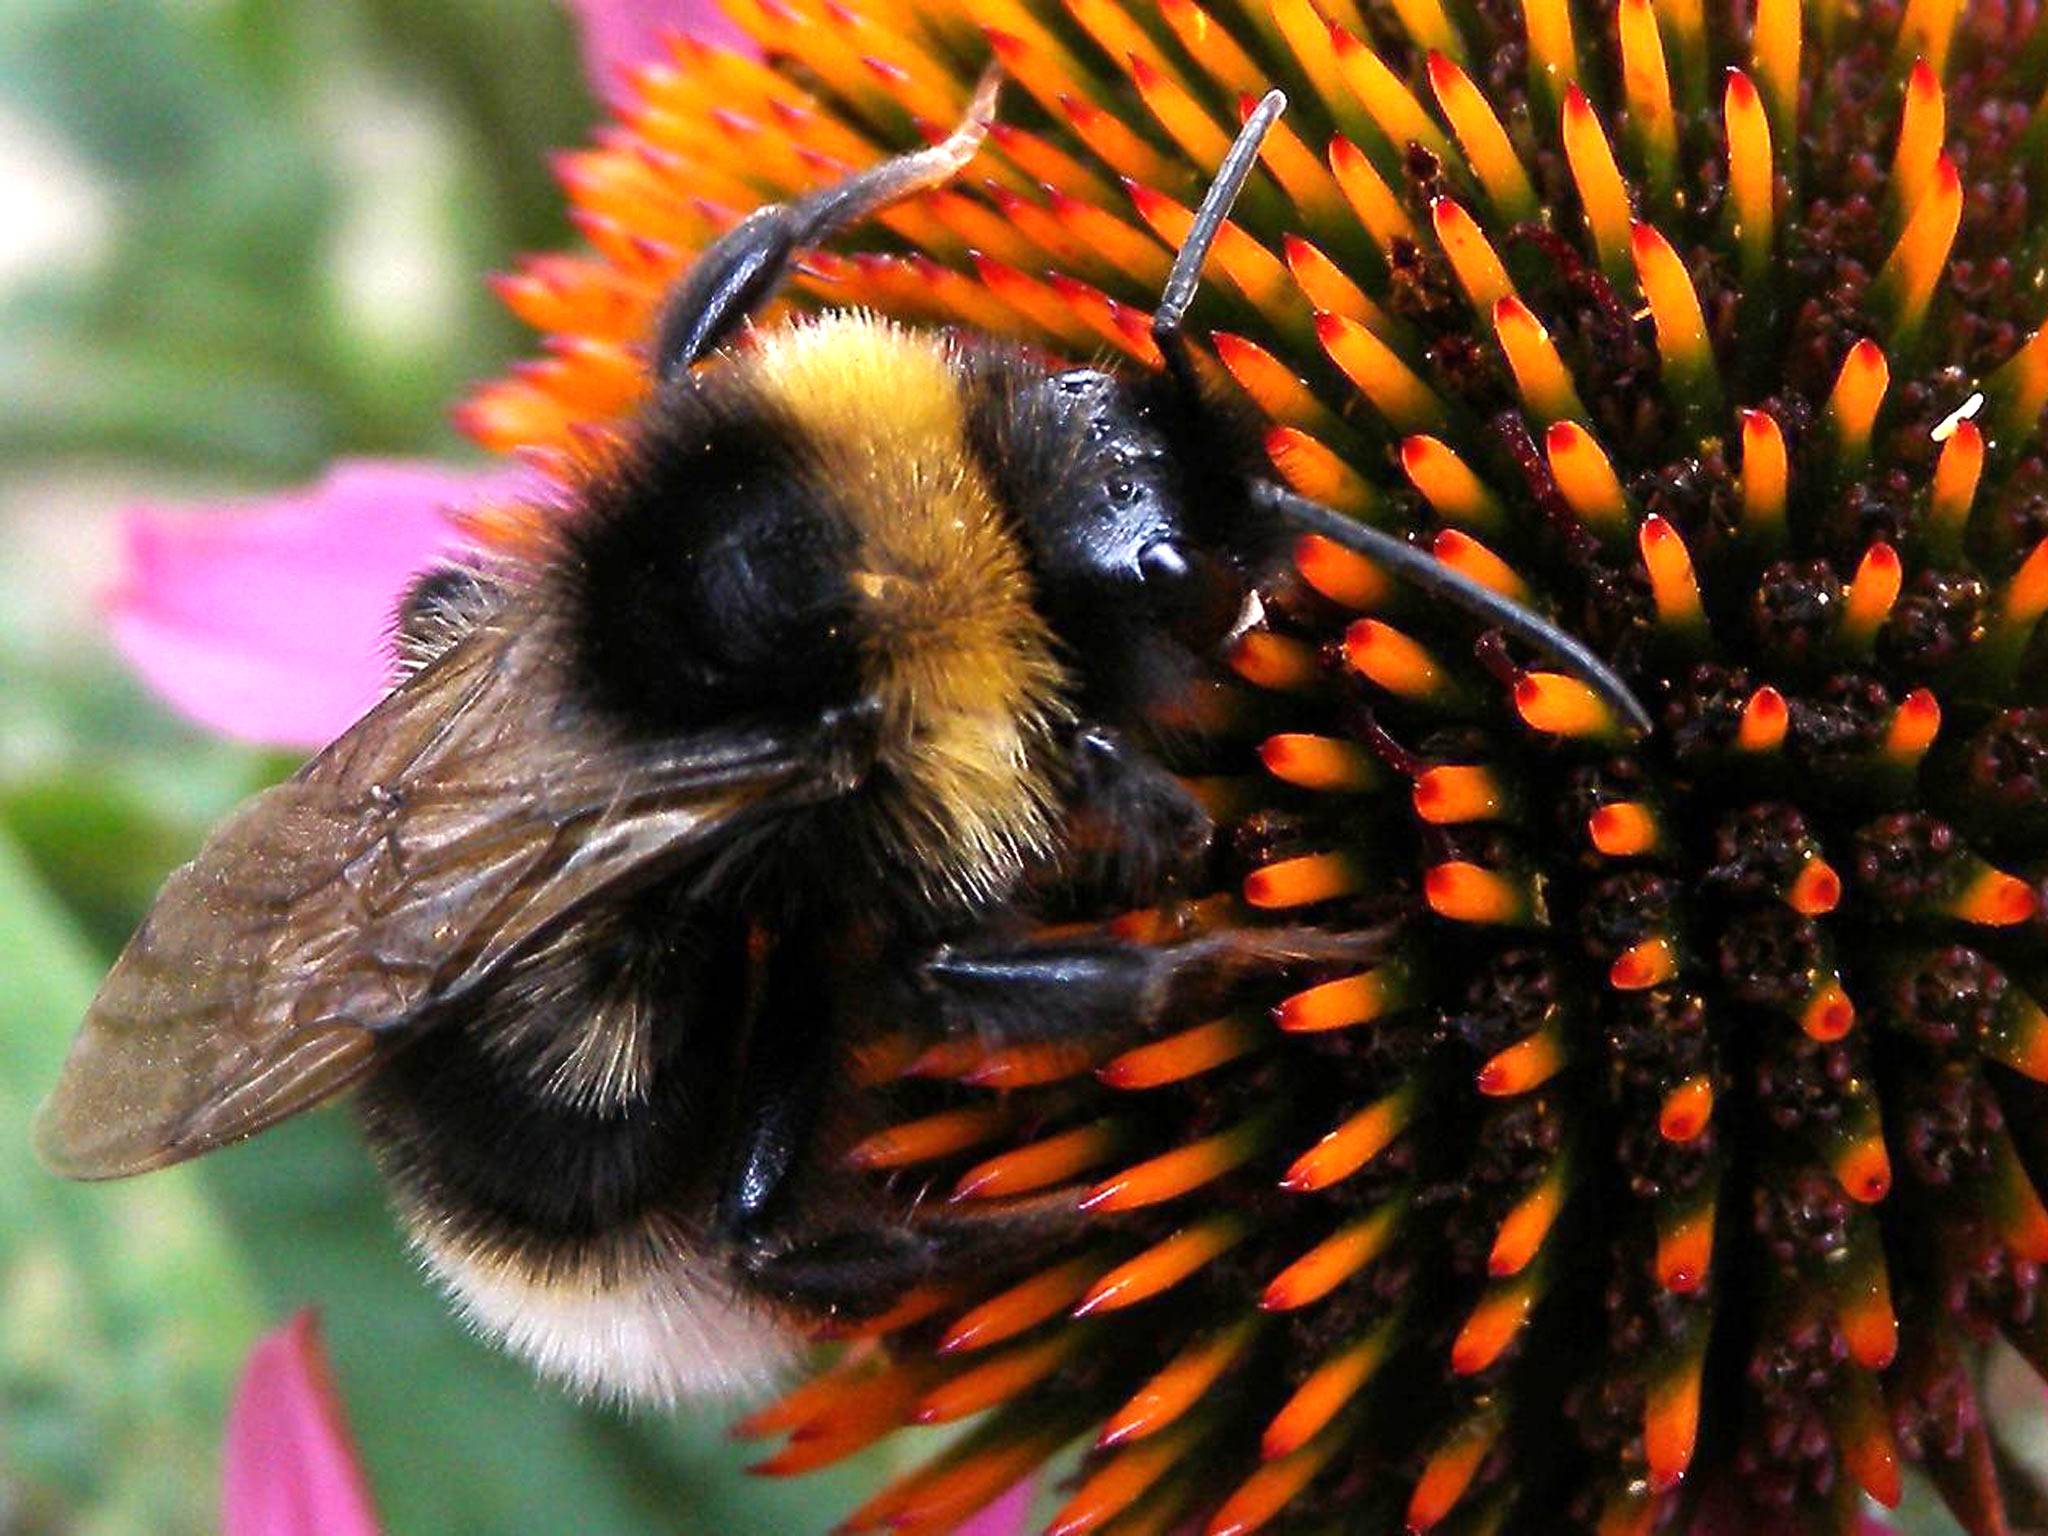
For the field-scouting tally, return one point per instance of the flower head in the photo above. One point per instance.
(1681, 1149)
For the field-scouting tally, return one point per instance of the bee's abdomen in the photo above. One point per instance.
(559, 1190)
(574, 1237)
(468, 1135)
(575, 1095)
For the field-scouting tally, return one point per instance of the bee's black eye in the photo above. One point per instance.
(1108, 529)
(1128, 504)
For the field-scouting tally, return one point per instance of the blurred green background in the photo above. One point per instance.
(239, 238)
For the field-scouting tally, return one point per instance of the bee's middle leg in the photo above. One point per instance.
(1017, 991)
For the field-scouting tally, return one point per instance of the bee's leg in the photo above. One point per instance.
(744, 267)
(865, 1269)
(783, 1068)
(781, 1082)
(1133, 831)
(438, 609)
(1026, 990)
(779, 1094)
(1186, 275)
(853, 1274)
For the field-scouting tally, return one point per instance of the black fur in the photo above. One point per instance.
(705, 575)
(438, 609)
(465, 1130)
(703, 584)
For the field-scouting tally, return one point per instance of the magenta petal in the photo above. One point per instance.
(271, 622)
(290, 1467)
(618, 34)
(1006, 1517)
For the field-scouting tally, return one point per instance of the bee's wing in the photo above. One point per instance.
(441, 835)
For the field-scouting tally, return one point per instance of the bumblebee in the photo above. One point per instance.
(868, 649)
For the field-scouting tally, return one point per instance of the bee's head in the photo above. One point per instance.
(1131, 501)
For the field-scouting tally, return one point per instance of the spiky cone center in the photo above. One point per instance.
(1684, 1146)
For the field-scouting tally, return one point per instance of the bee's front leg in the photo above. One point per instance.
(1133, 834)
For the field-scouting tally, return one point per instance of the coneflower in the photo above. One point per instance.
(1683, 1149)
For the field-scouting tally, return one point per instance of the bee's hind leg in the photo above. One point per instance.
(852, 1274)
(867, 1268)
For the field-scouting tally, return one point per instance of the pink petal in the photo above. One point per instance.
(271, 621)
(618, 34)
(1008, 1516)
(290, 1466)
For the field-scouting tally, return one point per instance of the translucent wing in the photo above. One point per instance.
(450, 828)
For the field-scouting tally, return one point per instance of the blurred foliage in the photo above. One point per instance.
(300, 197)
(219, 330)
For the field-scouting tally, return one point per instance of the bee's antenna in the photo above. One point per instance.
(744, 267)
(1186, 276)
(1432, 576)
